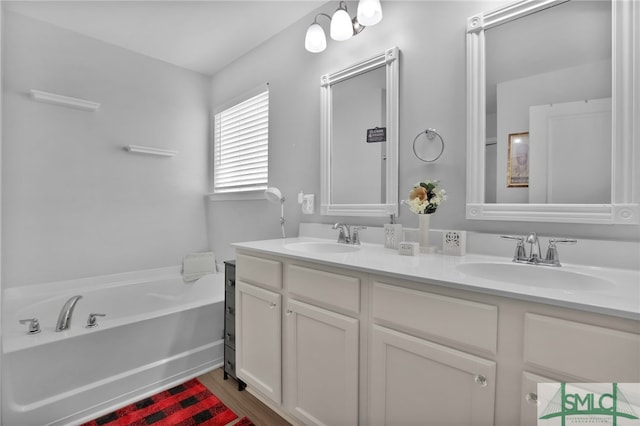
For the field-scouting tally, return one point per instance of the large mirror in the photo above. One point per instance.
(551, 91)
(359, 139)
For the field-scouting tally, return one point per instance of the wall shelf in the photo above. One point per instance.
(68, 101)
(139, 149)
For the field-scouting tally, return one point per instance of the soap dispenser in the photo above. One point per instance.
(392, 233)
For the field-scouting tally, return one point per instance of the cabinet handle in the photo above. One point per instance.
(531, 398)
(289, 311)
(273, 305)
(481, 380)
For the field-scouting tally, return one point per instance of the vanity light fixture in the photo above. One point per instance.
(342, 26)
(369, 12)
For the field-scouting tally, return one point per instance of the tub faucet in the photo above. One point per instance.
(64, 319)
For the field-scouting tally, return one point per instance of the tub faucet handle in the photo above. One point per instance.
(34, 325)
(92, 321)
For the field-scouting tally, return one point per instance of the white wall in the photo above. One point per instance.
(74, 203)
(431, 38)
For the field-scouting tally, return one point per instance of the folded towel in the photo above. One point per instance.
(196, 265)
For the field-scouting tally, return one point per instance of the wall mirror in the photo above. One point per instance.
(551, 133)
(359, 138)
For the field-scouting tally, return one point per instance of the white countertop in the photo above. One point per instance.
(621, 299)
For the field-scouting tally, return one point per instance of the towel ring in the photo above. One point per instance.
(431, 135)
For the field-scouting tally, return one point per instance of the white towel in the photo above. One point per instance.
(196, 265)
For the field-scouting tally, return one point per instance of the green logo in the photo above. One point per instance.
(587, 403)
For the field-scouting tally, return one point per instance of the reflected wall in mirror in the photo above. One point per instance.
(359, 158)
(359, 105)
(561, 72)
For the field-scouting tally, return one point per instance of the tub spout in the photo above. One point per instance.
(64, 319)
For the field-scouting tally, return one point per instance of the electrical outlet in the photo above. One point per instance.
(308, 203)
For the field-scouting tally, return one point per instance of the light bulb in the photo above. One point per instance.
(369, 12)
(315, 41)
(341, 26)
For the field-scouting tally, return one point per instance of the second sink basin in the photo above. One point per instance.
(322, 247)
(535, 275)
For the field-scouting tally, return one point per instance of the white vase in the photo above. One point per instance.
(423, 222)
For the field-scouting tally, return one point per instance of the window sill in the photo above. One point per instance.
(237, 196)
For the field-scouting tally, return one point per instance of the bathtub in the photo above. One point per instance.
(158, 331)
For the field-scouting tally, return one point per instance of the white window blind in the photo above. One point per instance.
(241, 146)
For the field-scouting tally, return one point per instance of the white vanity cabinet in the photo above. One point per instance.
(321, 375)
(415, 379)
(573, 351)
(259, 324)
(328, 343)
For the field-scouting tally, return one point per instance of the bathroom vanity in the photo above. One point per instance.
(330, 334)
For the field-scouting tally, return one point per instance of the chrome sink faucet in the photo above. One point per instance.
(534, 246)
(346, 236)
(64, 319)
(534, 257)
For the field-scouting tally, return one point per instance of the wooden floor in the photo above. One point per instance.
(241, 403)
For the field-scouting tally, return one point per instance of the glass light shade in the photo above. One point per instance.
(341, 26)
(369, 12)
(315, 41)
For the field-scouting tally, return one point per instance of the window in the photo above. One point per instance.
(241, 146)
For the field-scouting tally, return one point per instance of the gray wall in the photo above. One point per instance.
(431, 38)
(74, 203)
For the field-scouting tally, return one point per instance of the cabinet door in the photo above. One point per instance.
(322, 365)
(529, 402)
(417, 382)
(258, 337)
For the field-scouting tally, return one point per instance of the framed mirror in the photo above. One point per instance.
(359, 138)
(551, 128)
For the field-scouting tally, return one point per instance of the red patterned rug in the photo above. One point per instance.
(188, 404)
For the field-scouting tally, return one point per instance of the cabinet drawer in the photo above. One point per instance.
(230, 330)
(230, 309)
(230, 299)
(230, 284)
(259, 270)
(230, 361)
(585, 351)
(461, 321)
(334, 290)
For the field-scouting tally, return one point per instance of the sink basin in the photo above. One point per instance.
(534, 275)
(321, 247)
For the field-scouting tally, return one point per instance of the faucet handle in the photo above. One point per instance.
(34, 325)
(355, 235)
(513, 237)
(554, 241)
(92, 322)
(520, 252)
(552, 252)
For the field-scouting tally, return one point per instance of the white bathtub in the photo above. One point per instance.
(158, 332)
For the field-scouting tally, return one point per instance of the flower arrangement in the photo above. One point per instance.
(425, 197)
